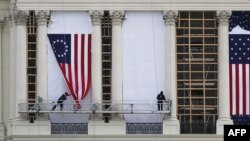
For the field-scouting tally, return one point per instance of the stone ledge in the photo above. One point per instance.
(24, 127)
(184, 137)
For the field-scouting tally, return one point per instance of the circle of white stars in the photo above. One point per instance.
(58, 41)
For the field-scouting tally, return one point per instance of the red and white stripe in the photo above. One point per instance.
(239, 89)
(78, 74)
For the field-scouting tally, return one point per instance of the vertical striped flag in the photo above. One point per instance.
(239, 56)
(73, 55)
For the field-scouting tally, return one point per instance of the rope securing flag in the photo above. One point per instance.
(73, 54)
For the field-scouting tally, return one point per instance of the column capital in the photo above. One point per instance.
(223, 17)
(42, 17)
(2, 19)
(21, 17)
(11, 14)
(170, 17)
(9, 18)
(1, 23)
(2, 15)
(117, 17)
(96, 17)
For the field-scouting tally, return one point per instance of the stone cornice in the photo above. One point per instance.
(137, 5)
(223, 17)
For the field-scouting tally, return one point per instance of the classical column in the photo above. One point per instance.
(21, 59)
(96, 56)
(223, 71)
(12, 70)
(1, 95)
(116, 82)
(20, 123)
(171, 124)
(42, 55)
(96, 124)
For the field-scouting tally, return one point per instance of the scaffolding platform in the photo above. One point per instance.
(96, 108)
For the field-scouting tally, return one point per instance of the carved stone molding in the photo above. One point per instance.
(117, 17)
(96, 17)
(21, 17)
(11, 15)
(42, 17)
(170, 17)
(223, 17)
(9, 18)
(2, 18)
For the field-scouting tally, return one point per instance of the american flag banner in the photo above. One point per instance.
(239, 56)
(73, 54)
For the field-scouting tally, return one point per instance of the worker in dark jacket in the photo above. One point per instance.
(160, 98)
(60, 101)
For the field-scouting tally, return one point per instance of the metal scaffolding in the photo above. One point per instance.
(98, 108)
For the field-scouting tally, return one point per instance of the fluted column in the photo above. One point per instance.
(116, 82)
(96, 56)
(21, 60)
(171, 124)
(42, 55)
(223, 71)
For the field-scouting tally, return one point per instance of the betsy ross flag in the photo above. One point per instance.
(69, 45)
(72, 52)
(239, 57)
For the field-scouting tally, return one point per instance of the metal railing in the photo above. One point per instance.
(89, 108)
